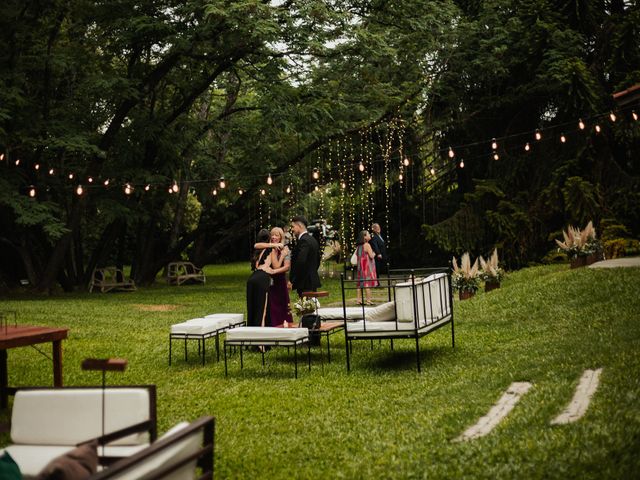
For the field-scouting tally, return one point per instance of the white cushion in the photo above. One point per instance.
(267, 334)
(199, 326)
(379, 326)
(382, 313)
(337, 313)
(70, 416)
(432, 296)
(229, 318)
(31, 459)
(168, 456)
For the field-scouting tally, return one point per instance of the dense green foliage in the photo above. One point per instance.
(546, 325)
(160, 91)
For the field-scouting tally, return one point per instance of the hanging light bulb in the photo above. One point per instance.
(361, 167)
(288, 188)
(214, 192)
(262, 191)
(170, 190)
(612, 116)
(240, 191)
(400, 177)
(79, 190)
(106, 182)
(71, 176)
(581, 125)
(147, 187)
(461, 163)
(538, 135)
(269, 180)
(90, 179)
(451, 153)
(406, 162)
(527, 147)
(51, 171)
(496, 156)
(597, 128)
(1, 157)
(175, 188)
(370, 181)
(343, 185)
(316, 174)
(36, 166)
(433, 171)
(494, 144)
(32, 191)
(222, 184)
(563, 139)
(17, 162)
(634, 115)
(316, 188)
(128, 189)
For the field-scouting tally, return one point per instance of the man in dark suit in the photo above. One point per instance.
(305, 258)
(379, 248)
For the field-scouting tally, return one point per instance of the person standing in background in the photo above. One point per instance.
(305, 258)
(379, 249)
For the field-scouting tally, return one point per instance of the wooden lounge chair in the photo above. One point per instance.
(184, 272)
(110, 278)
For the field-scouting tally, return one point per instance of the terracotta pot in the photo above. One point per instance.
(491, 285)
(578, 262)
(465, 294)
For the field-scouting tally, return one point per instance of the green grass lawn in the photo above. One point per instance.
(546, 325)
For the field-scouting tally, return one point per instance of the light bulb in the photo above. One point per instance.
(214, 192)
(343, 185)
(32, 192)
(612, 116)
(240, 191)
(37, 166)
(128, 189)
(433, 171)
(269, 180)
(79, 190)
(90, 179)
(288, 188)
(316, 174)
(51, 171)
(170, 190)
(370, 181)
(461, 163)
(1, 156)
(361, 167)
(597, 128)
(496, 156)
(563, 139)
(17, 162)
(451, 153)
(147, 187)
(262, 191)
(400, 177)
(634, 115)
(175, 187)
(106, 182)
(223, 184)
(316, 188)
(527, 147)
(71, 176)
(581, 124)
(405, 162)
(538, 135)
(494, 144)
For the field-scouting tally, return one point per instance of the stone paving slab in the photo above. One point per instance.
(617, 263)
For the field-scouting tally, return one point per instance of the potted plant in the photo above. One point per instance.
(581, 246)
(491, 272)
(305, 306)
(465, 278)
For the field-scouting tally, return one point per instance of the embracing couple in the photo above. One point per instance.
(267, 288)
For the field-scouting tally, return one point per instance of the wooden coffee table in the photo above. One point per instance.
(326, 329)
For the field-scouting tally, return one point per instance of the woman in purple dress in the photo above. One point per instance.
(366, 268)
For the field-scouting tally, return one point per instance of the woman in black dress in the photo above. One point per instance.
(258, 285)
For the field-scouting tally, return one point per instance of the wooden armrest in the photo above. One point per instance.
(145, 426)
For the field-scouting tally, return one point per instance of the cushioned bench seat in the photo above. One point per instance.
(202, 328)
(337, 313)
(267, 336)
(390, 329)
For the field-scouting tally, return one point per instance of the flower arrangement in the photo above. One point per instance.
(490, 271)
(580, 243)
(465, 278)
(305, 305)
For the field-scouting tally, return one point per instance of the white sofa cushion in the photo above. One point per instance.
(70, 416)
(199, 326)
(382, 313)
(229, 318)
(337, 313)
(432, 298)
(267, 334)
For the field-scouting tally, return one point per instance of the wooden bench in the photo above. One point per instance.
(182, 272)
(110, 278)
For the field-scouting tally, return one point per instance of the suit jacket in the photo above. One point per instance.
(305, 261)
(379, 248)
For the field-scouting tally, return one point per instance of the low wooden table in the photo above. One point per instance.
(23, 336)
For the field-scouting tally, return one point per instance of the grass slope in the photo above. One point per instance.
(546, 325)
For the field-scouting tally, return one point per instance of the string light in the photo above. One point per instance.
(316, 174)
(494, 144)
(433, 171)
(361, 167)
(222, 183)
(36, 166)
(214, 192)
(71, 176)
(90, 179)
(597, 128)
(1, 157)
(563, 139)
(269, 180)
(316, 188)
(496, 156)
(106, 183)
(405, 162)
(400, 176)
(262, 191)
(612, 116)
(288, 188)
(461, 163)
(147, 187)
(51, 171)
(581, 125)
(451, 153)
(343, 185)
(170, 190)
(370, 181)
(79, 190)
(634, 115)
(527, 147)
(32, 191)
(538, 135)
(128, 189)
(240, 191)
(17, 162)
